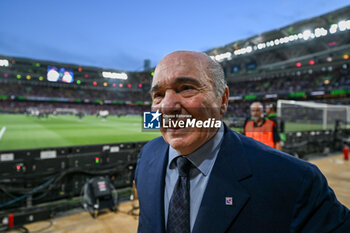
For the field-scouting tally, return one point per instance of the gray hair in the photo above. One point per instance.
(257, 103)
(217, 74)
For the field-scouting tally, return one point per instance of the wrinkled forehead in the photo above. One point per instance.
(182, 58)
(180, 65)
(255, 107)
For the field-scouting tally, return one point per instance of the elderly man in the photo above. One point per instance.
(212, 179)
(261, 129)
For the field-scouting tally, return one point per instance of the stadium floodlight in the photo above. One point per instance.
(245, 50)
(223, 56)
(300, 35)
(320, 32)
(333, 29)
(348, 24)
(306, 34)
(4, 62)
(277, 41)
(343, 25)
(261, 45)
(283, 40)
(114, 75)
(291, 37)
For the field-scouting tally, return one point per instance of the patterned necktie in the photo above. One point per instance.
(179, 206)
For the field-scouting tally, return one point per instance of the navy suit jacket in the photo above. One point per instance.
(272, 191)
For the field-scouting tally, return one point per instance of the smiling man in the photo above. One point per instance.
(183, 85)
(212, 179)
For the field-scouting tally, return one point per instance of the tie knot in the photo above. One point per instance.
(184, 166)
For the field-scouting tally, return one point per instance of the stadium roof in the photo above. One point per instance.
(322, 39)
(324, 21)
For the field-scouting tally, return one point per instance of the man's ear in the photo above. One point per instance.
(224, 101)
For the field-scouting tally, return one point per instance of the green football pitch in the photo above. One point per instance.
(24, 132)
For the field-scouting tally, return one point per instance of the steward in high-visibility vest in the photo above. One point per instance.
(266, 132)
(260, 129)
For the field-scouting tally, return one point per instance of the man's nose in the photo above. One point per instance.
(171, 103)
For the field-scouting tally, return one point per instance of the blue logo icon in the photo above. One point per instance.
(228, 201)
(151, 120)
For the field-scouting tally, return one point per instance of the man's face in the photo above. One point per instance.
(181, 85)
(256, 112)
(267, 109)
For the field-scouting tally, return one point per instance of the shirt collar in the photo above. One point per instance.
(203, 157)
(263, 122)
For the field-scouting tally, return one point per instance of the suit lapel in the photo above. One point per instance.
(231, 167)
(157, 169)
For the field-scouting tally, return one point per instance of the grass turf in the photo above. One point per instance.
(25, 132)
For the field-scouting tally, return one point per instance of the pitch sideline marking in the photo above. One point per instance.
(2, 131)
